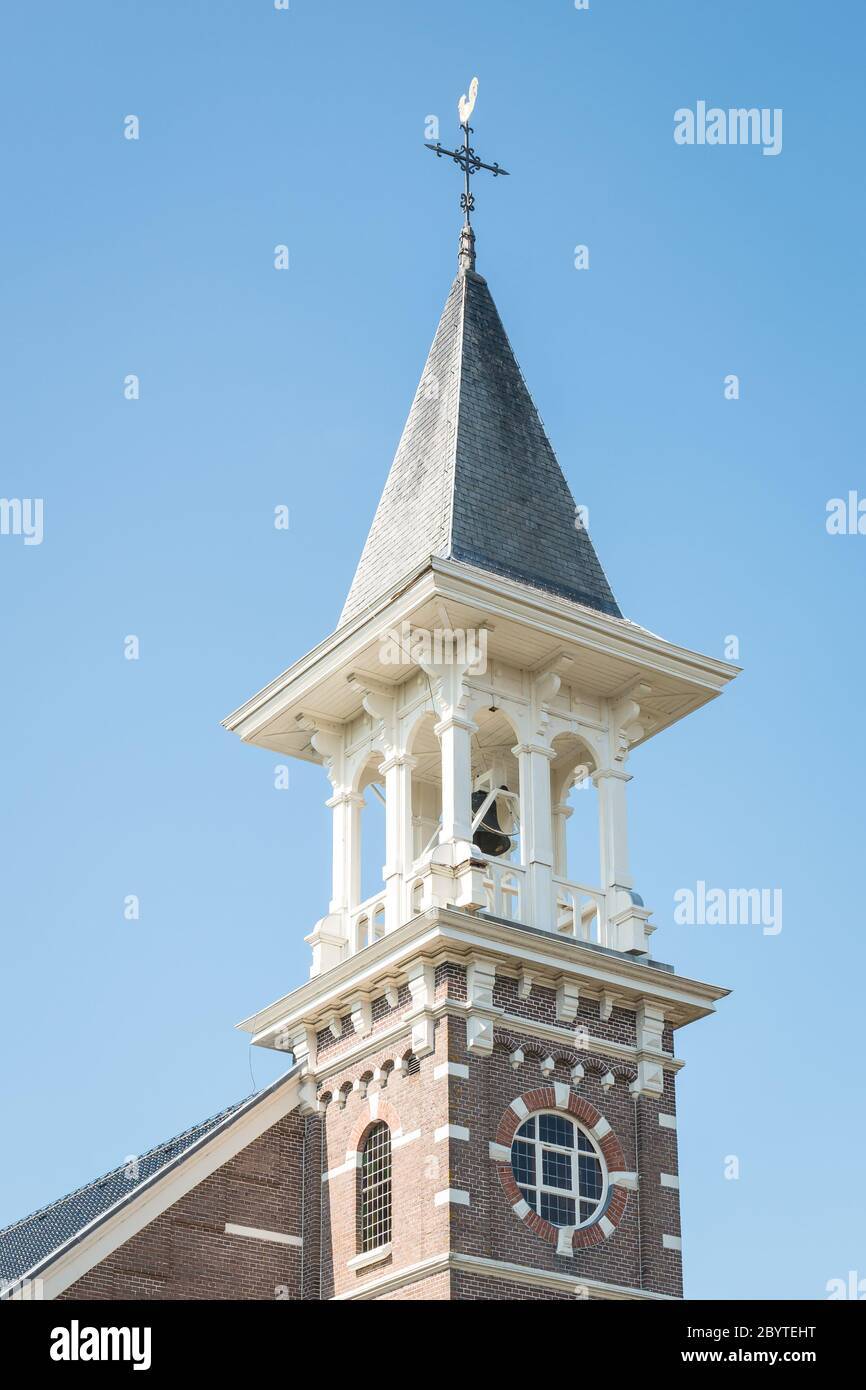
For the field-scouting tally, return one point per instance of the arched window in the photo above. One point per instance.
(376, 1189)
(558, 1169)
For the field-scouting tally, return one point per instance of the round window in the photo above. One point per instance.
(559, 1170)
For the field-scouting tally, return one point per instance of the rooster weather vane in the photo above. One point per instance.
(465, 156)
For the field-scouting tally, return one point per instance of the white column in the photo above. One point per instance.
(616, 880)
(536, 831)
(339, 832)
(425, 818)
(626, 927)
(355, 806)
(346, 859)
(562, 812)
(329, 938)
(455, 739)
(397, 772)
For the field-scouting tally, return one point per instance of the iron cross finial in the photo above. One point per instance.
(465, 156)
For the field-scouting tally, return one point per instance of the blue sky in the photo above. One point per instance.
(260, 388)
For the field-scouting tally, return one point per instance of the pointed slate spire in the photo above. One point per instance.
(475, 478)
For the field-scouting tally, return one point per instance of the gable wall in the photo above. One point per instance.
(186, 1254)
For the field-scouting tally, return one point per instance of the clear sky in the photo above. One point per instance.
(261, 387)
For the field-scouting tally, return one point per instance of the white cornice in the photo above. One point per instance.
(442, 934)
(332, 655)
(642, 653)
(551, 613)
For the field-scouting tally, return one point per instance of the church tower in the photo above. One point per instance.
(485, 1046)
(480, 1101)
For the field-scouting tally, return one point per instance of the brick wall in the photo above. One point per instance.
(660, 1207)
(186, 1254)
(433, 1289)
(414, 1104)
(489, 1228)
(540, 1006)
(634, 1255)
(276, 1183)
(480, 1288)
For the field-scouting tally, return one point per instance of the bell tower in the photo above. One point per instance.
(486, 1041)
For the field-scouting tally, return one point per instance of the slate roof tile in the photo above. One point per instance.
(26, 1243)
(475, 478)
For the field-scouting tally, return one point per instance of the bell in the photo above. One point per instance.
(489, 837)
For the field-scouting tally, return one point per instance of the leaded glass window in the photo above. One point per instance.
(558, 1169)
(376, 1189)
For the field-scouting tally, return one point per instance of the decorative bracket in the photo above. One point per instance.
(628, 727)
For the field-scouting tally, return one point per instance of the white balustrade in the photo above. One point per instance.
(579, 911)
(367, 922)
(505, 886)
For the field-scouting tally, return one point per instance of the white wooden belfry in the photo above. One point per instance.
(446, 869)
(480, 646)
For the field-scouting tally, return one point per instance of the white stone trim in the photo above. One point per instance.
(370, 1257)
(500, 1152)
(277, 1237)
(607, 1227)
(669, 1180)
(450, 1132)
(454, 1196)
(562, 1092)
(672, 1242)
(521, 1209)
(353, 1160)
(667, 1121)
(519, 1107)
(590, 1044)
(567, 999)
(497, 1269)
(361, 1014)
(399, 1139)
(622, 1179)
(600, 1129)
(606, 1005)
(451, 1069)
(564, 1241)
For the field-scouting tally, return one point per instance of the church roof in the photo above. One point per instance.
(475, 478)
(28, 1242)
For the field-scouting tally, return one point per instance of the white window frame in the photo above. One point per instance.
(574, 1191)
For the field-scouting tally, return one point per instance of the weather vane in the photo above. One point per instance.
(465, 157)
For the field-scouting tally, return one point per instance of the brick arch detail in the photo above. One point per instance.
(607, 1220)
(590, 1061)
(385, 1114)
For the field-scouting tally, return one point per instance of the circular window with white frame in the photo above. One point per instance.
(559, 1169)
